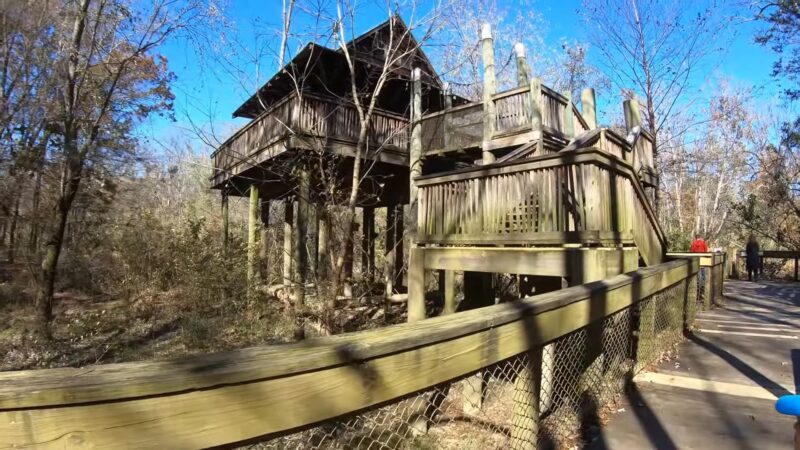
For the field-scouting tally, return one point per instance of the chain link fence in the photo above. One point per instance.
(554, 396)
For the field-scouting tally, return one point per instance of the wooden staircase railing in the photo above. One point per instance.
(586, 190)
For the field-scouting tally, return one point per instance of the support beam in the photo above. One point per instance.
(224, 219)
(489, 89)
(347, 286)
(368, 243)
(449, 289)
(569, 117)
(589, 107)
(323, 238)
(415, 147)
(288, 225)
(522, 65)
(299, 250)
(264, 242)
(252, 238)
(313, 235)
(633, 115)
(448, 118)
(416, 285)
(576, 263)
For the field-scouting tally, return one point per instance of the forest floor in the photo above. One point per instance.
(100, 328)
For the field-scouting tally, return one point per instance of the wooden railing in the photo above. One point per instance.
(462, 127)
(710, 279)
(269, 392)
(571, 191)
(310, 116)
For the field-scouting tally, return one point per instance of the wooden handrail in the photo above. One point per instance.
(582, 156)
(254, 121)
(231, 397)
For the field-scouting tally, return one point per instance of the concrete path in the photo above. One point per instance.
(719, 393)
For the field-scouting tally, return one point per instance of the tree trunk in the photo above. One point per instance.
(33, 239)
(350, 215)
(12, 230)
(53, 246)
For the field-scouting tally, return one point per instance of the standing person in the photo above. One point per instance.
(698, 245)
(753, 258)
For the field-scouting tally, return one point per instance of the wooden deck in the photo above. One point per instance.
(309, 122)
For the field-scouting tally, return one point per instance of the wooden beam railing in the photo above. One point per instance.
(310, 116)
(710, 278)
(461, 127)
(773, 254)
(571, 191)
(281, 392)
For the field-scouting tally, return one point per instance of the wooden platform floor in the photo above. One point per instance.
(721, 389)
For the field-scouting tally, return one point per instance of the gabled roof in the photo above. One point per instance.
(319, 67)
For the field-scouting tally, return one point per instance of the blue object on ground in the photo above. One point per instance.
(789, 405)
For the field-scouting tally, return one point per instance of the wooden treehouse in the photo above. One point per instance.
(523, 182)
(300, 144)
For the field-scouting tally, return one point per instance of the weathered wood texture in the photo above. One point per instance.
(573, 191)
(309, 116)
(516, 111)
(231, 397)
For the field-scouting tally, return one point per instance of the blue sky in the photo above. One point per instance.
(207, 95)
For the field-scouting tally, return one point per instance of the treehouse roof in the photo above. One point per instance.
(322, 70)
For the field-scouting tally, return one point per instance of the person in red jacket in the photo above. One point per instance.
(699, 245)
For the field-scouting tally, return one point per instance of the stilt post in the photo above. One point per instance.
(489, 88)
(589, 107)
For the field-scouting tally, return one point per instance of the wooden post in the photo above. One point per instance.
(522, 65)
(449, 292)
(489, 88)
(527, 398)
(448, 119)
(368, 243)
(252, 233)
(415, 148)
(796, 261)
(323, 258)
(535, 99)
(633, 116)
(313, 235)
(569, 117)
(478, 292)
(347, 287)
(225, 219)
(264, 242)
(416, 285)
(300, 254)
(288, 225)
(389, 276)
(589, 107)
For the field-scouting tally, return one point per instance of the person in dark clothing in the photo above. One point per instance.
(753, 259)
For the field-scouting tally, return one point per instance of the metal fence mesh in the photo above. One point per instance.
(551, 397)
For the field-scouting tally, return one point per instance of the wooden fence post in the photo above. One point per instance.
(527, 399)
(447, 124)
(300, 253)
(569, 117)
(522, 65)
(252, 233)
(489, 88)
(288, 225)
(589, 107)
(264, 242)
(368, 243)
(415, 149)
(225, 219)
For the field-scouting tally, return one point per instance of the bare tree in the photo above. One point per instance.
(109, 79)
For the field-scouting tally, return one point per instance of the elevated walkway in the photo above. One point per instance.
(721, 389)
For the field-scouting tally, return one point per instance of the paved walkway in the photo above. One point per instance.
(719, 393)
